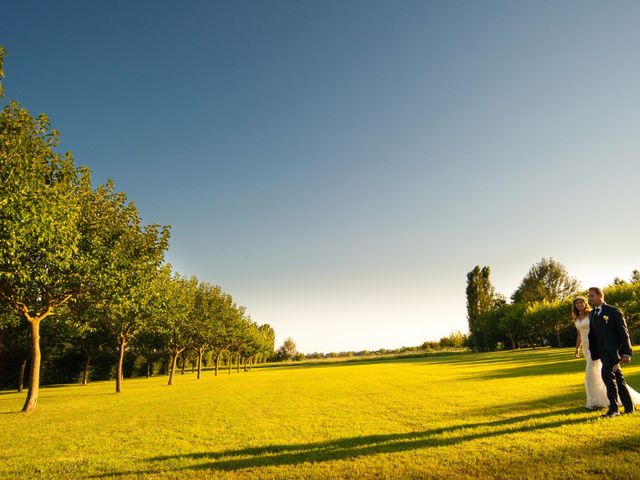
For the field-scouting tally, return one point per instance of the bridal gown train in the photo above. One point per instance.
(596, 390)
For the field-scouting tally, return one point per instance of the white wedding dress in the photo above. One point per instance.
(596, 390)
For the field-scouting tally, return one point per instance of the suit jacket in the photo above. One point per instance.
(608, 337)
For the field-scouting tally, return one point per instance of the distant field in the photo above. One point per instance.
(500, 415)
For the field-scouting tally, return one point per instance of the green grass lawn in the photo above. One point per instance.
(499, 415)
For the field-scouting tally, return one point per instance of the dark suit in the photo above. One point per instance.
(608, 341)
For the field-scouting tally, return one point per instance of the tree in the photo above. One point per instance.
(510, 323)
(101, 212)
(203, 333)
(288, 350)
(225, 316)
(635, 276)
(454, 340)
(39, 212)
(127, 281)
(481, 298)
(268, 335)
(547, 280)
(171, 318)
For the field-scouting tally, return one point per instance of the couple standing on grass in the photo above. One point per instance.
(605, 342)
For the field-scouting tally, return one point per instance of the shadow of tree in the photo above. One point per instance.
(531, 370)
(355, 447)
(573, 396)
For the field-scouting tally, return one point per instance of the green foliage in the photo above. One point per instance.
(39, 214)
(454, 340)
(547, 280)
(173, 314)
(288, 350)
(481, 298)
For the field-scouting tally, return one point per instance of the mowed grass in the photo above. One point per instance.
(492, 415)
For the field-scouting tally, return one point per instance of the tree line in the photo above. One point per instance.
(539, 312)
(78, 258)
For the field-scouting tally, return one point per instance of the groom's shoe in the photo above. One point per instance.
(610, 413)
(629, 412)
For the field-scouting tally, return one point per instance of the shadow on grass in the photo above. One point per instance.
(355, 361)
(12, 392)
(532, 370)
(509, 356)
(355, 447)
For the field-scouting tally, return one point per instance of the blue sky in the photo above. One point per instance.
(338, 167)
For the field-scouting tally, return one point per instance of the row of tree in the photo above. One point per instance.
(80, 257)
(540, 309)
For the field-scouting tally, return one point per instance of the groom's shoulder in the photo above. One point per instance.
(613, 308)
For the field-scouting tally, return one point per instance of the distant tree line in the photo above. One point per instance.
(540, 309)
(456, 341)
(78, 261)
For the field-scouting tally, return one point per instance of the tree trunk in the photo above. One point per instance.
(217, 362)
(119, 376)
(184, 362)
(229, 361)
(148, 369)
(174, 362)
(246, 366)
(34, 370)
(558, 337)
(23, 367)
(85, 370)
(238, 364)
(200, 354)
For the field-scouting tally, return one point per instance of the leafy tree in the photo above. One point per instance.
(268, 337)
(224, 316)
(511, 323)
(454, 340)
(204, 328)
(547, 280)
(259, 343)
(481, 298)
(288, 350)
(39, 212)
(172, 317)
(127, 281)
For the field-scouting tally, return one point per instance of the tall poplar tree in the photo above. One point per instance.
(481, 298)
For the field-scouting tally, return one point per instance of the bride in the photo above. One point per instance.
(596, 390)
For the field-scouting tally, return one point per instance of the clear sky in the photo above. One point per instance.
(339, 166)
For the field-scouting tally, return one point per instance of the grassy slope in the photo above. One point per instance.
(501, 415)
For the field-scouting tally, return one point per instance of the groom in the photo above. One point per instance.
(609, 341)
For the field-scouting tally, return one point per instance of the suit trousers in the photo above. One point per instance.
(616, 386)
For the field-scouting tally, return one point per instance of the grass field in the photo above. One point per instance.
(494, 415)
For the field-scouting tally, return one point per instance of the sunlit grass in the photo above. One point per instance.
(501, 415)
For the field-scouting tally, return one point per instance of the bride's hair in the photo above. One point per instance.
(576, 312)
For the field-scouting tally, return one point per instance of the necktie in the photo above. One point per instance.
(597, 311)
